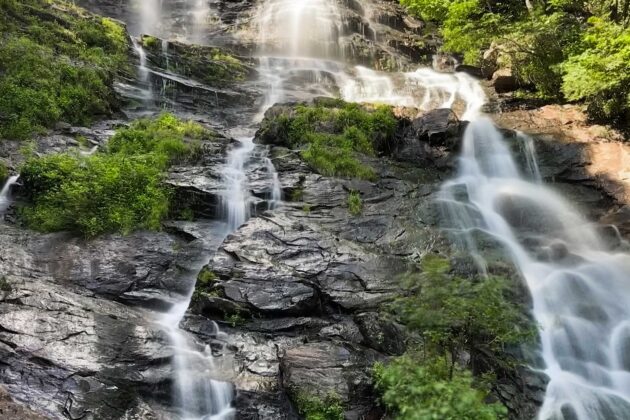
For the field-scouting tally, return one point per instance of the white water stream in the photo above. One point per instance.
(5, 193)
(580, 289)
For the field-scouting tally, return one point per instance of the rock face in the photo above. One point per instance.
(303, 285)
(75, 338)
(307, 279)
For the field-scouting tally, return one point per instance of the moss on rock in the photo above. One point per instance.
(331, 133)
(58, 63)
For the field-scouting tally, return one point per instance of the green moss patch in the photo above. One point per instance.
(210, 65)
(120, 190)
(58, 63)
(332, 133)
(315, 408)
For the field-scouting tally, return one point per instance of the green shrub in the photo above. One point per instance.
(417, 389)
(333, 132)
(315, 408)
(455, 314)
(120, 190)
(102, 193)
(206, 277)
(355, 205)
(57, 63)
(600, 73)
(4, 173)
(165, 135)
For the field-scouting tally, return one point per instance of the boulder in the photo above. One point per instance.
(504, 81)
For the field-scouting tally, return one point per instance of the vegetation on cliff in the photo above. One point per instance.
(453, 319)
(58, 63)
(332, 133)
(209, 65)
(315, 408)
(577, 50)
(4, 173)
(119, 190)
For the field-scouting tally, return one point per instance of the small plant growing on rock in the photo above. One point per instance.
(315, 408)
(235, 319)
(4, 173)
(5, 286)
(206, 277)
(355, 205)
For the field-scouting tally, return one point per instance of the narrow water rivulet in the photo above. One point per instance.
(5, 192)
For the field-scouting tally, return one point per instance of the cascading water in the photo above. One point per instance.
(579, 288)
(5, 193)
(236, 199)
(577, 285)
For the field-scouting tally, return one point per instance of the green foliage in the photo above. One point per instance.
(57, 63)
(535, 48)
(468, 28)
(206, 277)
(149, 41)
(428, 389)
(451, 315)
(4, 173)
(600, 73)
(166, 136)
(550, 48)
(235, 320)
(334, 132)
(432, 10)
(355, 205)
(103, 193)
(454, 313)
(315, 408)
(117, 191)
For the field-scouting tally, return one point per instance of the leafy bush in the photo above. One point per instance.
(117, 191)
(165, 135)
(449, 316)
(315, 408)
(4, 173)
(428, 389)
(355, 205)
(600, 74)
(333, 132)
(103, 193)
(57, 63)
(456, 314)
(548, 47)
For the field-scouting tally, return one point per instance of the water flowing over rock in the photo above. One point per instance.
(277, 289)
(576, 281)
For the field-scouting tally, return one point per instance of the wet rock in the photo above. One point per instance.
(473, 71)
(430, 138)
(321, 369)
(504, 81)
(9, 409)
(381, 334)
(64, 351)
(620, 219)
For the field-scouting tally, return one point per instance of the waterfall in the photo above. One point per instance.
(579, 288)
(5, 193)
(236, 199)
